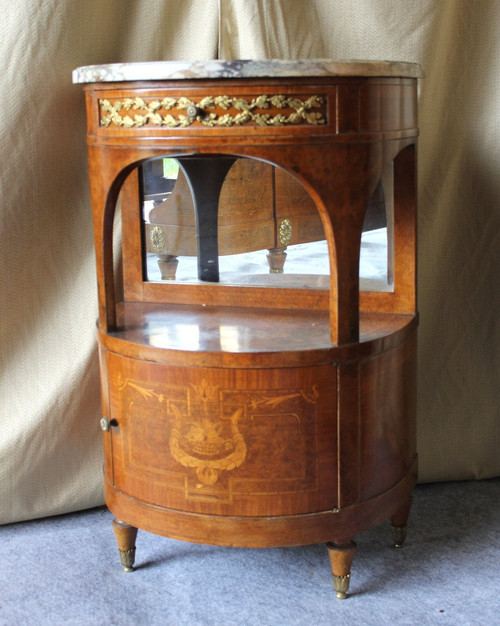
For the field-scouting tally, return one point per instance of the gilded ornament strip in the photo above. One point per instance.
(155, 112)
(285, 232)
(157, 238)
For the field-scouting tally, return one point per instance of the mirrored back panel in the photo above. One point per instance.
(239, 221)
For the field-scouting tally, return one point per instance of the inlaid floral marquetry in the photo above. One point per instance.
(223, 111)
(212, 432)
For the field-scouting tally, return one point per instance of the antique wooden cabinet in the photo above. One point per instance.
(272, 411)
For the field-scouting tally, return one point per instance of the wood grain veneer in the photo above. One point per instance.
(246, 415)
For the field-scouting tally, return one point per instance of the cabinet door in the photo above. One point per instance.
(224, 441)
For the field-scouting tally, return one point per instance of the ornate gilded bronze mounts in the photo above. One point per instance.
(285, 232)
(157, 238)
(224, 111)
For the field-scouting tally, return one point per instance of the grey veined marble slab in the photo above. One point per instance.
(276, 68)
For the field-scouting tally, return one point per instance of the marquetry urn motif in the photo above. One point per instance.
(208, 443)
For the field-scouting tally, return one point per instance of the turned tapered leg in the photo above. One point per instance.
(341, 554)
(276, 260)
(125, 537)
(168, 264)
(399, 523)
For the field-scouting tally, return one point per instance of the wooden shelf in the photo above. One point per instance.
(195, 328)
(194, 335)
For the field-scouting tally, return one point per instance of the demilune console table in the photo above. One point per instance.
(271, 412)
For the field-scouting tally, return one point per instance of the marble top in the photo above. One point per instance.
(276, 68)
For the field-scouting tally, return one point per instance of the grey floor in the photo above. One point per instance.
(65, 570)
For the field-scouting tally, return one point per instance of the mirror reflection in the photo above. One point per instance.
(377, 240)
(256, 226)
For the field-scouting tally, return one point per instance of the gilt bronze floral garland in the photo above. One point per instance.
(154, 112)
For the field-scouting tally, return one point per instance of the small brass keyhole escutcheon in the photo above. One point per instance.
(106, 424)
(192, 112)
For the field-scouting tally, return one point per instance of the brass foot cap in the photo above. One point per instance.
(398, 535)
(341, 585)
(127, 558)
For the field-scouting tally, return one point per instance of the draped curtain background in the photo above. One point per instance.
(50, 442)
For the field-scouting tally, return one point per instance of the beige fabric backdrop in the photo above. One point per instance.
(50, 449)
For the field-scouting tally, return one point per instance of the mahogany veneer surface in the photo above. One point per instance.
(248, 415)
